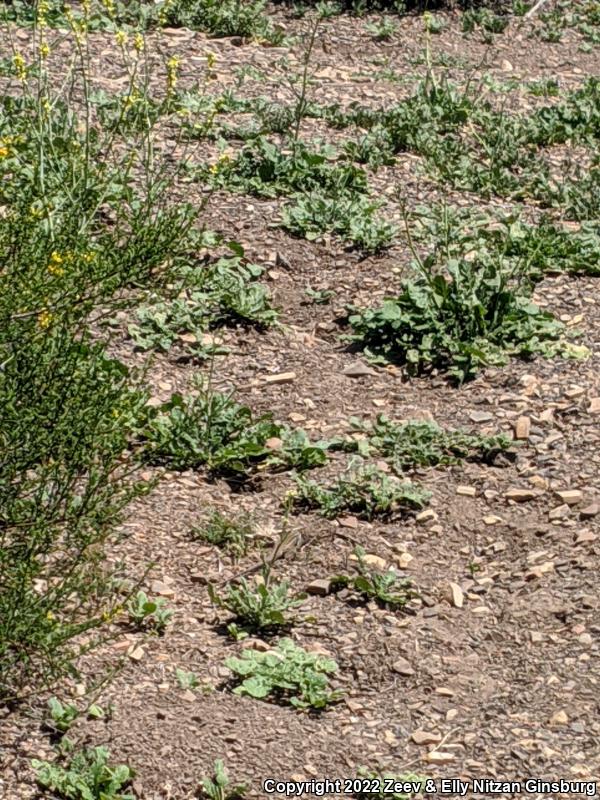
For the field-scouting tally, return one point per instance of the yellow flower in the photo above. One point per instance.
(54, 267)
(44, 50)
(211, 60)
(44, 319)
(4, 152)
(138, 42)
(172, 73)
(19, 65)
(121, 38)
(42, 11)
(50, 616)
(109, 7)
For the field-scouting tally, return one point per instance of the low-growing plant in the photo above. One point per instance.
(219, 787)
(261, 607)
(224, 293)
(378, 785)
(223, 18)
(382, 30)
(386, 588)
(287, 674)
(149, 614)
(212, 429)
(187, 680)
(62, 715)
(479, 313)
(418, 443)
(88, 776)
(363, 490)
(232, 535)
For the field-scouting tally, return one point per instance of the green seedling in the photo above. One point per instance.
(257, 608)
(219, 786)
(88, 776)
(147, 613)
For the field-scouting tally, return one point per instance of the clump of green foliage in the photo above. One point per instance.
(261, 607)
(471, 314)
(88, 776)
(287, 674)
(224, 293)
(232, 535)
(223, 18)
(386, 588)
(62, 715)
(364, 490)
(219, 787)
(325, 195)
(212, 430)
(147, 614)
(418, 443)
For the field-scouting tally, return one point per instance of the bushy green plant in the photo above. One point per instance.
(212, 429)
(233, 535)
(418, 443)
(82, 229)
(288, 674)
(260, 607)
(219, 787)
(385, 786)
(245, 18)
(223, 293)
(478, 315)
(352, 217)
(88, 776)
(366, 491)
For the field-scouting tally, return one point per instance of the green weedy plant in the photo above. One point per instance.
(287, 674)
(224, 293)
(386, 588)
(232, 535)
(62, 716)
(366, 491)
(187, 680)
(260, 607)
(218, 18)
(212, 429)
(419, 443)
(470, 310)
(146, 613)
(219, 786)
(88, 776)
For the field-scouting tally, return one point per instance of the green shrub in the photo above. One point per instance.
(260, 607)
(387, 588)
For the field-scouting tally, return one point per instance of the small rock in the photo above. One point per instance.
(571, 496)
(520, 495)
(280, 377)
(481, 416)
(403, 667)
(160, 588)
(274, 443)
(357, 370)
(188, 696)
(522, 428)
(560, 718)
(506, 66)
(589, 511)
(375, 561)
(136, 654)
(594, 406)
(403, 560)
(426, 516)
(585, 537)
(455, 595)
(348, 522)
(444, 691)
(421, 737)
(492, 519)
(560, 512)
(438, 757)
(467, 491)
(585, 639)
(320, 587)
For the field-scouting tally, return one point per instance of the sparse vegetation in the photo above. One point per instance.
(88, 776)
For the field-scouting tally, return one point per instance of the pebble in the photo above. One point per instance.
(280, 377)
(520, 495)
(320, 587)
(422, 737)
(571, 496)
(403, 667)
